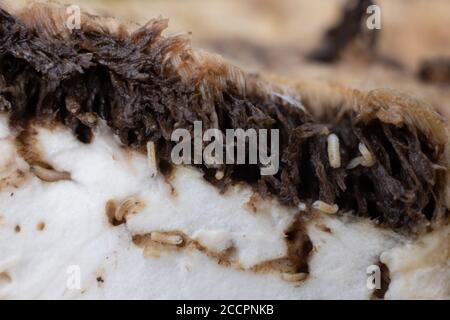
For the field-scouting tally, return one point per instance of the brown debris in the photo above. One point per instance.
(324, 228)
(5, 278)
(290, 267)
(252, 203)
(40, 226)
(13, 180)
(435, 70)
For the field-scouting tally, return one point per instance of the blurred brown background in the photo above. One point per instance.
(275, 36)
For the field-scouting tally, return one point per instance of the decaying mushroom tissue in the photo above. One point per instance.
(89, 189)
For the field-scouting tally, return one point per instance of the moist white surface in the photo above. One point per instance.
(38, 262)
(421, 268)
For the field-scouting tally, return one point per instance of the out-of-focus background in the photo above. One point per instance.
(280, 36)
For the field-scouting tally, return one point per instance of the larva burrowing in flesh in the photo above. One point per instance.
(165, 238)
(325, 207)
(49, 175)
(294, 277)
(151, 158)
(128, 206)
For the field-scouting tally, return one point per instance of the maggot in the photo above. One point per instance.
(151, 158)
(128, 206)
(302, 206)
(48, 174)
(294, 277)
(334, 155)
(325, 207)
(366, 159)
(219, 175)
(367, 155)
(358, 161)
(165, 238)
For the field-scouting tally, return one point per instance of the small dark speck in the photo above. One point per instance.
(12, 194)
(40, 226)
(100, 280)
(17, 228)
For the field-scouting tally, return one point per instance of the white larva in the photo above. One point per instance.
(219, 175)
(366, 159)
(49, 175)
(358, 161)
(128, 206)
(334, 155)
(325, 207)
(367, 155)
(439, 167)
(164, 238)
(294, 277)
(302, 206)
(151, 158)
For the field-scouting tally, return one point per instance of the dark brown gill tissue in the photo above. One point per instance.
(144, 86)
